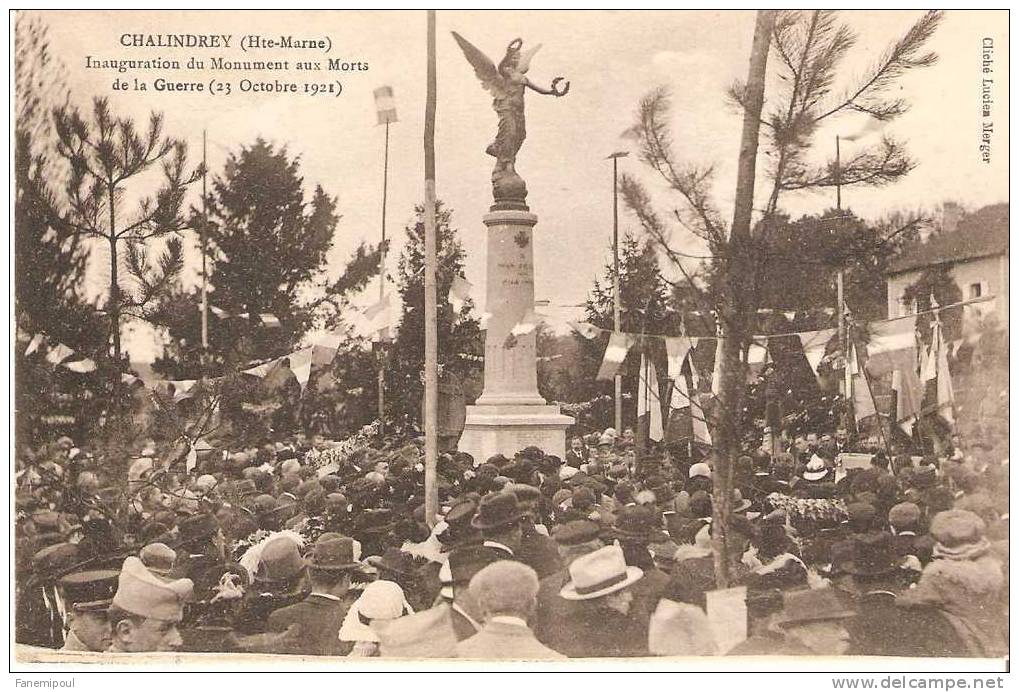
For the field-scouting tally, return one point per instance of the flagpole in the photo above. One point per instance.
(205, 280)
(382, 287)
(840, 281)
(616, 297)
(873, 402)
(431, 335)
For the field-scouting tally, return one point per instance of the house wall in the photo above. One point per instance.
(990, 272)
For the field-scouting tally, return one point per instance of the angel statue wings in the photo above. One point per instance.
(506, 84)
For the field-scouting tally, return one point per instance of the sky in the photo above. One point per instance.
(611, 58)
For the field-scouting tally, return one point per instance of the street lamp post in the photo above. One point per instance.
(616, 305)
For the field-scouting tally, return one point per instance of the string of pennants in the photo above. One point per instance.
(321, 352)
(893, 347)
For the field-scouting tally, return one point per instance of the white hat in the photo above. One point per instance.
(598, 574)
(816, 469)
(380, 600)
(700, 469)
(606, 439)
(139, 468)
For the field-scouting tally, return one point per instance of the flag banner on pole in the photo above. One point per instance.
(459, 292)
(585, 329)
(946, 393)
(858, 387)
(385, 105)
(649, 405)
(908, 397)
(892, 346)
(677, 348)
(615, 353)
(716, 375)
(814, 345)
(379, 315)
(58, 353)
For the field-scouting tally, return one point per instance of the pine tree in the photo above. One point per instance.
(459, 334)
(49, 257)
(268, 249)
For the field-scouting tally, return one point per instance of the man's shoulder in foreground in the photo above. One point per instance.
(505, 641)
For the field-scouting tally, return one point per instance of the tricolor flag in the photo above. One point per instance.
(857, 387)
(615, 353)
(649, 404)
(385, 105)
(379, 315)
(892, 346)
(757, 357)
(684, 399)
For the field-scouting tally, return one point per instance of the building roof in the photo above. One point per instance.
(984, 233)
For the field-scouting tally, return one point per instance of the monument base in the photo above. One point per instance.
(506, 429)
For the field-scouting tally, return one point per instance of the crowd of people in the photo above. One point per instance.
(308, 547)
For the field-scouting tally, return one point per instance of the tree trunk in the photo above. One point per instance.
(737, 304)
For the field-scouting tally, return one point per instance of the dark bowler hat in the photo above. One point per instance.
(874, 555)
(576, 532)
(638, 523)
(395, 561)
(497, 510)
(332, 552)
(90, 590)
(200, 527)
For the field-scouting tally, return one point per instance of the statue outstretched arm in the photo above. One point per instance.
(553, 90)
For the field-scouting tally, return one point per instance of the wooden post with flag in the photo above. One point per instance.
(431, 334)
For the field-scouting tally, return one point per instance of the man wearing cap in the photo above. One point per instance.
(904, 522)
(146, 610)
(201, 553)
(320, 615)
(87, 595)
(506, 592)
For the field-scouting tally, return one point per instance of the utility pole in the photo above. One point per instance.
(616, 297)
(431, 335)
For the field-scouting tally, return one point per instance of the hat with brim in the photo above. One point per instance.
(332, 552)
(497, 510)
(816, 469)
(740, 503)
(598, 574)
(802, 606)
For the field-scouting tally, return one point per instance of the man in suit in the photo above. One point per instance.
(320, 615)
(574, 539)
(578, 453)
(507, 594)
(537, 550)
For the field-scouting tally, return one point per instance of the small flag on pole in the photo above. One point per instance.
(459, 292)
(385, 105)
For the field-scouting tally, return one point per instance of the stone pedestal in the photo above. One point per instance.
(510, 414)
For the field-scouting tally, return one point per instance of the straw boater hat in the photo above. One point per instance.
(599, 574)
(816, 469)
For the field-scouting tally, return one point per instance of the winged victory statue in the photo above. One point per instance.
(507, 83)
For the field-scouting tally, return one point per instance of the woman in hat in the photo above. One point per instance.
(964, 580)
(381, 600)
